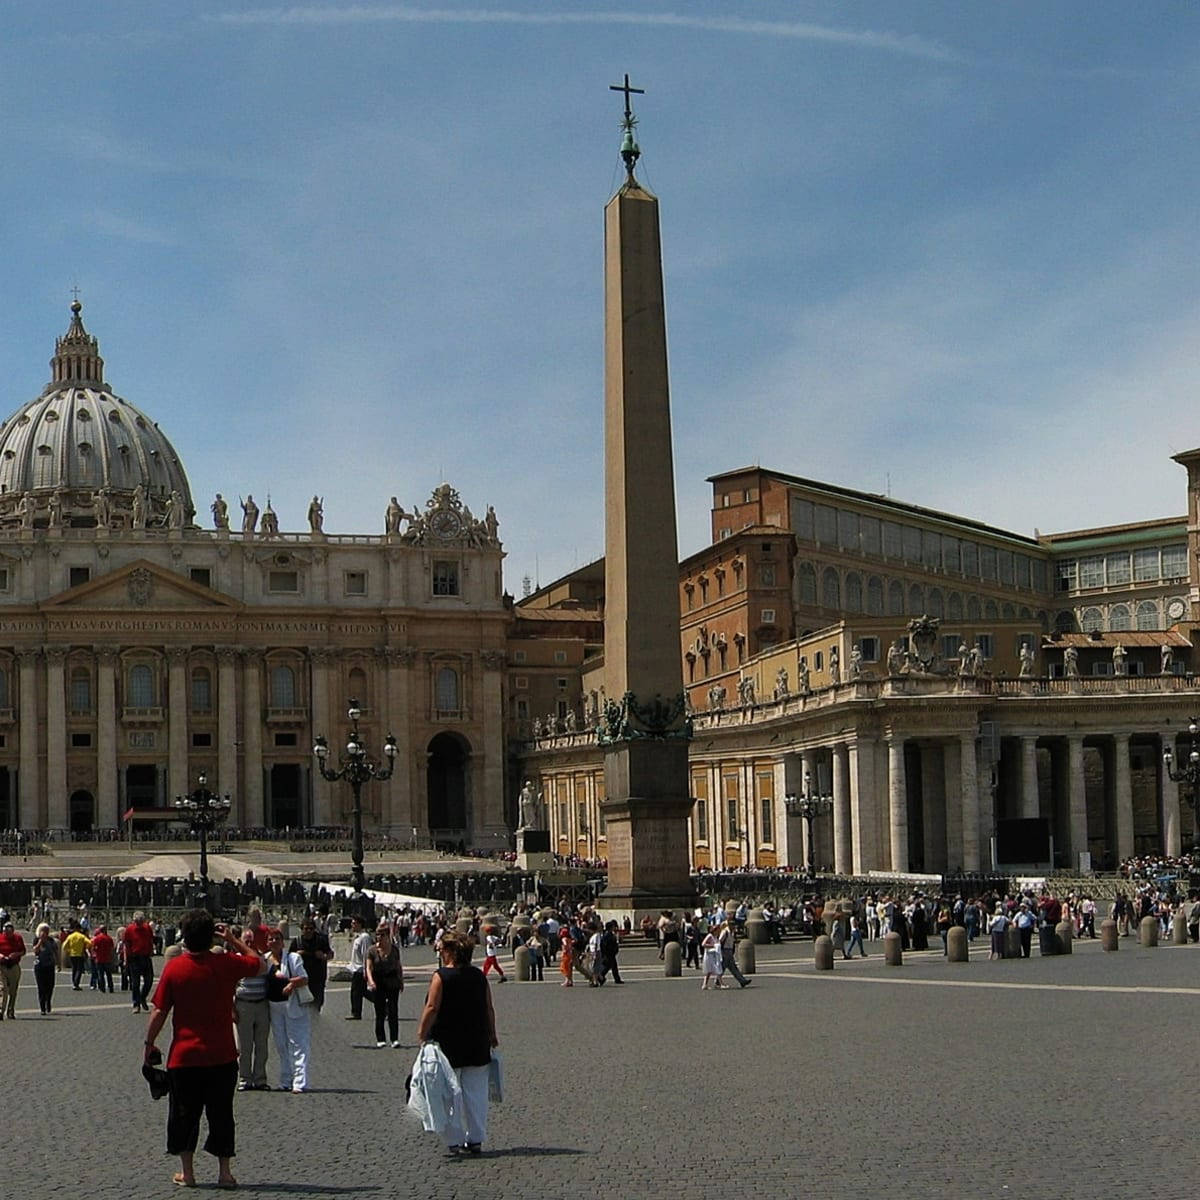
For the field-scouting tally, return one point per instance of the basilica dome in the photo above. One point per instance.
(99, 458)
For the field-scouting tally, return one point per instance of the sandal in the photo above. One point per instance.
(181, 1180)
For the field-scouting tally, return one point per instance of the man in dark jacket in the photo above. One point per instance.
(610, 947)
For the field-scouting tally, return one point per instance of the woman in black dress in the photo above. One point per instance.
(458, 1016)
(315, 952)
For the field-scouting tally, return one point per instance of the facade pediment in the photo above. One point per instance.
(139, 585)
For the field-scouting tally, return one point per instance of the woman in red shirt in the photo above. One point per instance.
(196, 989)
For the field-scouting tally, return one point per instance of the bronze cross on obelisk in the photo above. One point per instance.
(627, 89)
(630, 150)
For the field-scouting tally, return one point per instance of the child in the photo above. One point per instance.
(490, 960)
(714, 966)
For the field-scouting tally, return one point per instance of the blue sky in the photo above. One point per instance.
(948, 250)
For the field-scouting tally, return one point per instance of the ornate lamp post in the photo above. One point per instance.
(204, 810)
(357, 768)
(809, 805)
(1189, 773)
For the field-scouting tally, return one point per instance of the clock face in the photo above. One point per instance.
(445, 524)
(1175, 609)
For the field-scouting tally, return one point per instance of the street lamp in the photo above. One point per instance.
(357, 767)
(1189, 774)
(204, 810)
(809, 805)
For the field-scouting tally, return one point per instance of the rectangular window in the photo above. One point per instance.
(1066, 571)
(560, 656)
(561, 683)
(518, 656)
(522, 709)
(1174, 562)
(970, 560)
(1145, 565)
(766, 806)
(1117, 569)
(3, 579)
(768, 616)
(521, 682)
(1004, 561)
(285, 739)
(1103, 667)
(870, 535)
(81, 693)
(869, 648)
(78, 575)
(1039, 574)
(283, 581)
(950, 645)
(560, 709)
(931, 549)
(729, 786)
(200, 575)
(826, 524)
(951, 557)
(892, 541)
(1091, 571)
(987, 562)
(802, 519)
(81, 741)
(818, 660)
(847, 530)
(355, 583)
(726, 533)
(987, 644)
(700, 796)
(201, 692)
(911, 536)
(445, 578)
(202, 741)
(1024, 571)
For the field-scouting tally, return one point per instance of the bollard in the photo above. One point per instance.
(756, 928)
(893, 955)
(463, 924)
(1012, 941)
(1066, 935)
(744, 956)
(1179, 930)
(1108, 936)
(1148, 932)
(672, 960)
(823, 953)
(956, 944)
(522, 968)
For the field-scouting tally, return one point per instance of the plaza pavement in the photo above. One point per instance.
(1060, 1077)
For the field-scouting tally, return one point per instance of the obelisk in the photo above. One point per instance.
(644, 727)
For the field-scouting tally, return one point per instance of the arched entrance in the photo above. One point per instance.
(81, 811)
(449, 756)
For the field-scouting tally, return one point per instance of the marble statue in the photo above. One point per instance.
(393, 516)
(1071, 662)
(976, 660)
(26, 508)
(538, 731)
(569, 721)
(802, 678)
(746, 690)
(139, 507)
(716, 697)
(835, 666)
(316, 515)
(964, 659)
(1166, 660)
(220, 512)
(175, 513)
(102, 507)
(531, 807)
(856, 663)
(781, 684)
(56, 509)
(491, 525)
(896, 657)
(249, 514)
(1120, 663)
(1026, 661)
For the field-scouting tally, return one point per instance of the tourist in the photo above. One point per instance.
(196, 991)
(75, 948)
(1025, 921)
(996, 929)
(491, 958)
(103, 950)
(537, 957)
(567, 964)
(290, 1022)
(691, 942)
(315, 952)
(256, 934)
(856, 937)
(47, 960)
(919, 919)
(458, 1016)
(139, 945)
(726, 939)
(714, 965)
(944, 919)
(610, 947)
(360, 944)
(252, 1015)
(12, 950)
(385, 982)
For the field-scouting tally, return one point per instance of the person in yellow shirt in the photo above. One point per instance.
(75, 947)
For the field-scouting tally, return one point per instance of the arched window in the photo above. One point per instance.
(81, 690)
(446, 690)
(1147, 615)
(141, 686)
(990, 611)
(1119, 619)
(806, 577)
(916, 599)
(1009, 613)
(1092, 619)
(954, 609)
(895, 599)
(201, 690)
(283, 687)
(1064, 620)
(973, 608)
(854, 597)
(875, 596)
(934, 604)
(831, 589)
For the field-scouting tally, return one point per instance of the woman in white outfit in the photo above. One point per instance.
(291, 1022)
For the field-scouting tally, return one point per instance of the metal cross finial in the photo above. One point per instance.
(630, 150)
(627, 89)
(75, 292)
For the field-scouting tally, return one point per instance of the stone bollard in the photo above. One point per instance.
(893, 955)
(1109, 940)
(744, 956)
(756, 928)
(956, 944)
(1148, 932)
(672, 960)
(1179, 930)
(1012, 941)
(1065, 932)
(823, 953)
(523, 965)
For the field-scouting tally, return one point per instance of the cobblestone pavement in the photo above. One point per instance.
(1044, 1078)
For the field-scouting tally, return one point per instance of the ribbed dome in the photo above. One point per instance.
(78, 439)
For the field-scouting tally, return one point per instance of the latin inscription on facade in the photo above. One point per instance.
(141, 739)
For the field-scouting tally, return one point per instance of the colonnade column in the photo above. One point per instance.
(1123, 792)
(842, 851)
(29, 783)
(952, 794)
(968, 776)
(56, 738)
(488, 781)
(108, 809)
(252, 722)
(861, 760)
(897, 803)
(1170, 809)
(322, 795)
(933, 808)
(399, 660)
(809, 778)
(227, 780)
(1077, 830)
(1029, 778)
(178, 783)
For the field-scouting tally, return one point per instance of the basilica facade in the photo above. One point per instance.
(139, 650)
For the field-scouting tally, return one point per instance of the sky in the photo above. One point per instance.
(943, 251)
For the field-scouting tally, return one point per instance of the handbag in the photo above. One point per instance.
(302, 994)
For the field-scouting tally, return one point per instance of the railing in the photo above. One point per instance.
(1095, 685)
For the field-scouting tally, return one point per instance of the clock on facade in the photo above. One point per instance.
(1175, 609)
(445, 523)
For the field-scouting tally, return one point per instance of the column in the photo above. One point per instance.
(322, 795)
(178, 783)
(808, 776)
(29, 782)
(974, 849)
(1123, 792)
(227, 710)
(933, 807)
(843, 854)
(56, 738)
(488, 776)
(897, 803)
(1077, 830)
(952, 801)
(861, 760)
(400, 787)
(1029, 778)
(108, 799)
(1169, 820)
(252, 723)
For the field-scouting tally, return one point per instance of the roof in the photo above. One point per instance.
(1130, 639)
(1115, 535)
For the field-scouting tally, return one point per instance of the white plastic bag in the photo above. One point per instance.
(496, 1080)
(434, 1092)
